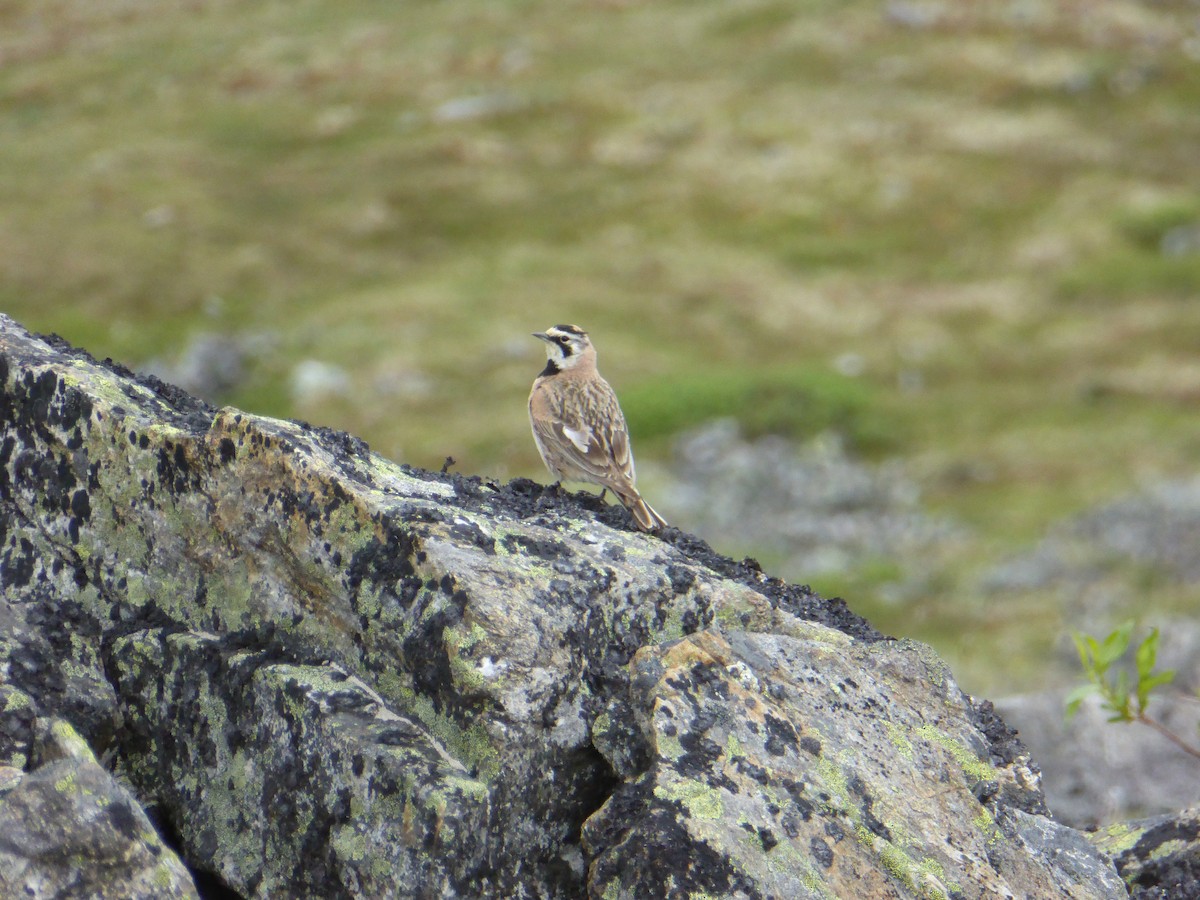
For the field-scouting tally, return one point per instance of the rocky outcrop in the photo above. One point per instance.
(1159, 857)
(329, 675)
(67, 828)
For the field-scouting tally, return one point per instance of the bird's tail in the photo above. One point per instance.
(643, 513)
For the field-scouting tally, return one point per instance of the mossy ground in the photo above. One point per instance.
(985, 214)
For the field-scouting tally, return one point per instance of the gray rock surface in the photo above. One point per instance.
(68, 829)
(1159, 857)
(334, 676)
(1095, 771)
(1157, 529)
(813, 504)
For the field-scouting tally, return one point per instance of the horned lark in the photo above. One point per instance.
(578, 425)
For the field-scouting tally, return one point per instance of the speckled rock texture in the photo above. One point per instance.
(1159, 857)
(328, 675)
(68, 829)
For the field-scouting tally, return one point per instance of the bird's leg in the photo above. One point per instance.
(603, 491)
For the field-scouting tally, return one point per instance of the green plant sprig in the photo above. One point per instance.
(1125, 698)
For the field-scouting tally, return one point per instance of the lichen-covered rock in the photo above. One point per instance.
(333, 676)
(294, 776)
(809, 765)
(68, 829)
(1159, 857)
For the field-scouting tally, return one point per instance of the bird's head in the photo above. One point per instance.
(567, 346)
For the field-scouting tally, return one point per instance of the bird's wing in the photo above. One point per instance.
(618, 445)
(581, 438)
(591, 435)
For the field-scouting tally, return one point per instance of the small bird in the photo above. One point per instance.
(578, 425)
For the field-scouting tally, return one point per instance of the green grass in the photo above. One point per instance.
(731, 198)
(791, 402)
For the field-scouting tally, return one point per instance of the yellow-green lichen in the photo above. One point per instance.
(349, 843)
(974, 767)
(672, 629)
(936, 670)
(71, 742)
(700, 800)
(1117, 839)
(931, 874)
(834, 780)
(471, 745)
(463, 638)
(729, 617)
(899, 740)
(814, 883)
(1167, 848)
(163, 876)
(896, 863)
(601, 723)
(465, 675)
(457, 639)
(986, 823)
(784, 859)
(471, 787)
(925, 878)
(733, 747)
(669, 745)
(17, 700)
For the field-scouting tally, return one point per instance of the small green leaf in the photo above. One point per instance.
(1147, 653)
(1166, 676)
(1085, 660)
(1147, 685)
(1075, 698)
(1120, 694)
(1116, 644)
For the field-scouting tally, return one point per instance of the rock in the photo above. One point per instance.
(335, 676)
(1182, 240)
(68, 829)
(211, 365)
(1159, 858)
(813, 505)
(1097, 772)
(312, 380)
(214, 365)
(478, 106)
(1154, 529)
(810, 765)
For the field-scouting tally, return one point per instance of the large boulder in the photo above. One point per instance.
(67, 827)
(329, 675)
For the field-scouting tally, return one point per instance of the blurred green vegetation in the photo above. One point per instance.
(988, 207)
(795, 403)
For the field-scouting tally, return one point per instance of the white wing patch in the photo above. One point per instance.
(581, 438)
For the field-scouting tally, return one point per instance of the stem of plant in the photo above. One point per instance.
(1168, 734)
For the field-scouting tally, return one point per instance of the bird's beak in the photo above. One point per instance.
(542, 336)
